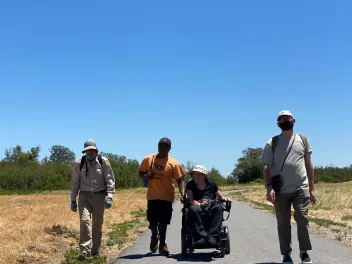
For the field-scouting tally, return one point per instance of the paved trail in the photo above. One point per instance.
(253, 241)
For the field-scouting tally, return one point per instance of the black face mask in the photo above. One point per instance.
(286, 125)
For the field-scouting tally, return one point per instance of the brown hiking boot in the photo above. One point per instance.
(163, 250)
(154, 243)
(82, 257)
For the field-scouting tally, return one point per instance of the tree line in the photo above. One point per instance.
(22, 171)
(248, 168)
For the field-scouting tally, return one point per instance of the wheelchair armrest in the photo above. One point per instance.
(226, 205)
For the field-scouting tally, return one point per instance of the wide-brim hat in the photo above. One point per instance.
(89, 144)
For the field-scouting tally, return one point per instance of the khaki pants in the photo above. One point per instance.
(300, 202)
(94, 204)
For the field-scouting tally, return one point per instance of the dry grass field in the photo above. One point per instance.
(41, 228)
(331, 215)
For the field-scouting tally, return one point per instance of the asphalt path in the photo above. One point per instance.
(254, 240)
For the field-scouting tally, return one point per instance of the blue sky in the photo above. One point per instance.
(209, 75)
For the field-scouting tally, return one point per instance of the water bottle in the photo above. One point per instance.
(145, 183)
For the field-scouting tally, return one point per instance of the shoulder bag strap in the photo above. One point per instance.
(294, 137)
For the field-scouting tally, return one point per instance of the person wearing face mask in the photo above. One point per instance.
(94, 181)
(289, 178)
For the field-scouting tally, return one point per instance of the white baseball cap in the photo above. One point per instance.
(199, 168)
(284, 113)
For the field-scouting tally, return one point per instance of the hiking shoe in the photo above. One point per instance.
(163, 250)
(95, 255)
(212, 241)
(154, 243)
(82, 257)
(200, 242)
(287, 260)
(305, 258)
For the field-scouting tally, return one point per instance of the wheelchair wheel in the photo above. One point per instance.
(227, 244)
(183, 244)
(223, 250)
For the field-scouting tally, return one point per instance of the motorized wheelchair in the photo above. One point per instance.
(188, 244)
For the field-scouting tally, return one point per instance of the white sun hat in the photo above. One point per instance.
(199, 168)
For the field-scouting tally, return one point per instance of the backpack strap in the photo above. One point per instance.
(83, 160)
(305, 143)
(274, 141)
(100, 158)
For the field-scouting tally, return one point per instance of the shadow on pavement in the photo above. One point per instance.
(268, 263)
(196, 257)
(138, 256)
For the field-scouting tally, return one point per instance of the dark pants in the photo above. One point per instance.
(203, 226)
(300, 202)
(159, 214)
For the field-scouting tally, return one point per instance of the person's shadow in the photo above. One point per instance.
(195, 257)
(268, 263)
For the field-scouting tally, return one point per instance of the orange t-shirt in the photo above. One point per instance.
(164, 170)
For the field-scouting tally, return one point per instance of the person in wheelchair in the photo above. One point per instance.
(205, 213)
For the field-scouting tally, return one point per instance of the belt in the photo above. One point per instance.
(92, 192)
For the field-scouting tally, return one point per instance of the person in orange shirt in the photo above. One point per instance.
(159, 170)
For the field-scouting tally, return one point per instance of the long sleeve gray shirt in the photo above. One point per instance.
(93, 177)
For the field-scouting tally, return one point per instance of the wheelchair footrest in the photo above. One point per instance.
(205, 246)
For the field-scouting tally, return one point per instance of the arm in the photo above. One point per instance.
(190, 197)
(267, 176)
(144, 172)
(219, 194)
(109, 179)
(310, 171)
(181, 186)
(267, 161)
(75, 182)
(179, 175)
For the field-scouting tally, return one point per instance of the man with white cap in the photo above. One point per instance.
(93, 179)
(289, 178)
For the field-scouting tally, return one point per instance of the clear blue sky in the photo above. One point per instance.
(210, 75)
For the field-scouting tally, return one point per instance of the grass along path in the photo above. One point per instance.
(331, 216)
(41, 228)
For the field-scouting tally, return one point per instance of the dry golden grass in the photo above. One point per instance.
(41, 228)
(334, 203)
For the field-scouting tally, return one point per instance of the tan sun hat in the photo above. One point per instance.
(89, 144)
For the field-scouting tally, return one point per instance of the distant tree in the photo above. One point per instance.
(61, 154)
(114, 158)
(215, 176)
(188, 167)
(16, 155)
(248, 167)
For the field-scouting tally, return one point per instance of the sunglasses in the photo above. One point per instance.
(282, 119)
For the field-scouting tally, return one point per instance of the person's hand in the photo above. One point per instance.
(73, 206)
(182, 198)
(228, 199)
(313, 199)
(108, 203)
(270, 195)
(148, 176)
(204, 202)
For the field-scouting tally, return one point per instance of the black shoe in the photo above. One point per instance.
(287, 260)
(200, 242)
(212, 241)
(305, 258)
